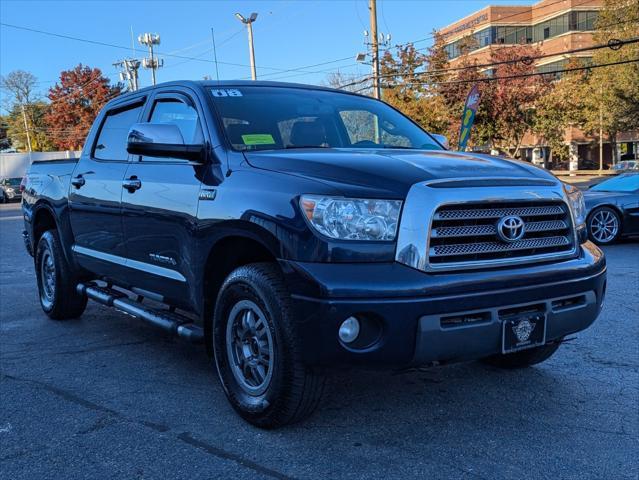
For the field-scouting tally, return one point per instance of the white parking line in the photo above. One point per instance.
(16, 217)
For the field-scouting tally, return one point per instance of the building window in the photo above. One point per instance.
(560, 65)
(514, 35)
(583, 21)
(568, 22)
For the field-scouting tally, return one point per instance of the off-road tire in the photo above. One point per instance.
(58, 298)
(294, 389)
(523, 358)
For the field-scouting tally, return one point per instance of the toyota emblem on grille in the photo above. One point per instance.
(510, 228)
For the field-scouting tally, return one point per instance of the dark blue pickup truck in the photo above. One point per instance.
(294, 229)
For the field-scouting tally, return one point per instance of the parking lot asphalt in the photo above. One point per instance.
(107, 396)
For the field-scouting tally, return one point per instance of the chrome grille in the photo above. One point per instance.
(467, 233)
(473, 230)
(479, 213)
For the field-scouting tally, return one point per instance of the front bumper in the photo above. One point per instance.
(417, 312)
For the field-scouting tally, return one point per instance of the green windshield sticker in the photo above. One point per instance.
(258, 139)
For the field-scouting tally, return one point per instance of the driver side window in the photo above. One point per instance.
(175, 112)
(366, 128)
(359, 125)
(178, 113)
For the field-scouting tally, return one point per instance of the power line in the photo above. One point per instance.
(298, 69)
(522, 75)
(122, 47)
(327, 70)
(612, 44)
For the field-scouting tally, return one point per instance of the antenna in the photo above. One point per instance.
(132, 42)
(217, 72)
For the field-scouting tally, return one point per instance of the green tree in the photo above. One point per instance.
(5, 140)
(39, 133)
(410, 91)
(612, 93)
(23, 103)
(558, 109)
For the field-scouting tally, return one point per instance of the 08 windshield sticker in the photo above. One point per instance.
(258, 139)
(226, 92)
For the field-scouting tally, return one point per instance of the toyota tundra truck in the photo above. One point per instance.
(297, 229)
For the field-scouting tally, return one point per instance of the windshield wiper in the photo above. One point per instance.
(287, 147)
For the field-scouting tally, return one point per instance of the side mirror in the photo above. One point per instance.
(162, 140)
(441, 139)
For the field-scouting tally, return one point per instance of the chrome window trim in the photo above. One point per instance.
(413, 236)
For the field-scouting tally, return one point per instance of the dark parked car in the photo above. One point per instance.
(294, 229)
(10, 189)
(613, 208)
(625, 166)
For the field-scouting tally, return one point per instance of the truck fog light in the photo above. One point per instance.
(349, 330)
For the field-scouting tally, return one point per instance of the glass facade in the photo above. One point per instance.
(512, 35)
(560, 65)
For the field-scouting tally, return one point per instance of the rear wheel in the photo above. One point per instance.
(256, 350)
(56, 286)
(604, 225)
(523, 358)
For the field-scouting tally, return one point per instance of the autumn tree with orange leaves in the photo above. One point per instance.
(75, 102)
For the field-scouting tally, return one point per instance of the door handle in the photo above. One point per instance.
(132, 184)
(78, 181)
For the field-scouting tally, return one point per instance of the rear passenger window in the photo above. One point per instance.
(111, 142)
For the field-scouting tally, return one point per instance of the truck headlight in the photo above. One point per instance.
(577, 205)
(352, 218)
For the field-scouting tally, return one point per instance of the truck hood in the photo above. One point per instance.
(391, 172)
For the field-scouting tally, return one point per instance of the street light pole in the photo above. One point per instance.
(249, 25)
(601, 129)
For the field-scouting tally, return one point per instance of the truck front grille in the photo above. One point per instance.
(468, 233)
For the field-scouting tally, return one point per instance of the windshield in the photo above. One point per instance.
(622, 183)
(273, 118)
(14, 182)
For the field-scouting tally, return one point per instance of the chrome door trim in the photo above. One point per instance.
(127, 262)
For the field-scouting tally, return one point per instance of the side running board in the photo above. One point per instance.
(169, 321)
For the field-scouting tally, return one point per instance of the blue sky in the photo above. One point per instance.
(289, 34)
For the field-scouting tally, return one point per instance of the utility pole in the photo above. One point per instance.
(249, 25)
(601, 128)
(372, 6)
(26, 126)
(150, 39)
(129, 73)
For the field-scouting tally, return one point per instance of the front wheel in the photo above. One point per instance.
(56, 286)
(257, 352)
(604, 226)
(523, 358)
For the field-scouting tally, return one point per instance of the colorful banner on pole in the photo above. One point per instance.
(468, 117)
